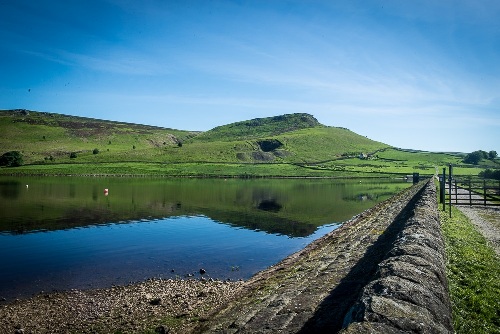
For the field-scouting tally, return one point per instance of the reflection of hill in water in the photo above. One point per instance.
(270, 205)
(263, 222)
(289, 207)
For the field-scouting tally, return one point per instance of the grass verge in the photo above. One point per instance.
(473, 270)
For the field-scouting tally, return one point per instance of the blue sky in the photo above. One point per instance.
(412, 74)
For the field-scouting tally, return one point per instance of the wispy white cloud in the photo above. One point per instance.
(118, 62)
(473, 12)
(318, 80)
(121, 62)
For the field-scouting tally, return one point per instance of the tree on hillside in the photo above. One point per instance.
(11, 159)
(490, 174)
(492, 155)
(474, 157)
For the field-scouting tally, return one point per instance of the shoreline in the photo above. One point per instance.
(389, 176)
(139, 307)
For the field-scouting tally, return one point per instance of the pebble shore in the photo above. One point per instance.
(153, 306)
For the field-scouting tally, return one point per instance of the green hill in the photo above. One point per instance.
(260, 127)
(48, 137)
(296, 138)
(287, 145)
(51, 138)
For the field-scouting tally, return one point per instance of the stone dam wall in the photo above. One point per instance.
(409, 292)
(381, 272)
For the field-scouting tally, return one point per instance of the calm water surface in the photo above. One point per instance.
(64, 233)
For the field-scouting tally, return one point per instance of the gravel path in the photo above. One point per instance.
(487, 220)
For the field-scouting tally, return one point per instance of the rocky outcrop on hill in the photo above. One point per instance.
(260, 127)
(268, 145)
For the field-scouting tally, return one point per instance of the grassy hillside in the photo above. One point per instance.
(260, 127)
(50, 138)
(45, 138)
(288, 145)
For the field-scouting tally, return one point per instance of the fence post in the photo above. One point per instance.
(470, 192)
(456, 193)
(443, 190)
(484, 191)
(449, 185)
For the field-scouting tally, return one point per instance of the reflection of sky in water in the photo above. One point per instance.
(100, 256)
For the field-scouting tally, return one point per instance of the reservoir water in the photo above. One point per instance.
(64, 233)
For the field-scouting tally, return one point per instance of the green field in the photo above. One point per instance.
(295, 145)
(472, 270)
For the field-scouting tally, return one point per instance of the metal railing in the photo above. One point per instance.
(470, 192)
(467, 191)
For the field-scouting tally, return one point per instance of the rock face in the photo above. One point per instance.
(269, 145)
(409, 292)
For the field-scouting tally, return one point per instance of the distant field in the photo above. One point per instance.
(396, 161)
